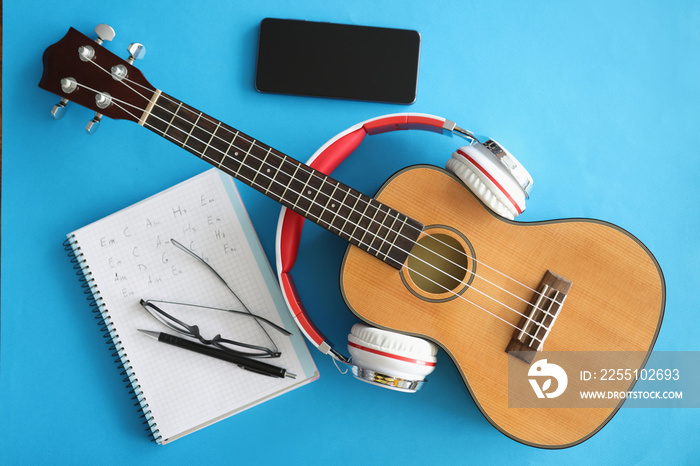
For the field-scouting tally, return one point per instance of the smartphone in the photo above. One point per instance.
(337, 60)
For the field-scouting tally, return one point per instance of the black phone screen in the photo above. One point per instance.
(337, 60)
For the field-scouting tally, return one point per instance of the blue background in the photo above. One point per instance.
(599, 99)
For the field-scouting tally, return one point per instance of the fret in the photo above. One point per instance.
(392, 245)
(208, 145)
(273, 178)
(391, 236)
(257, 172)
(314, 189)
(249, 161)
(181, 125)
(326, 209)
(252, 143)
(380, 235)
(174, 115)
(194, 126)
(228, 149)
(164, 117)
(292, 178)
(337, 211)
(301, 194)
(258, 166)
(283, 177)
(362, 217)
(406, 236)
(369, 229)
(198, 138)
(348, 217)
(353, 216)
(314, 204)
(215, 150)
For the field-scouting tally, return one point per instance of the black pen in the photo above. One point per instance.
(241, 361)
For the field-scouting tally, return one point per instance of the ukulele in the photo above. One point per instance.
(438, 264)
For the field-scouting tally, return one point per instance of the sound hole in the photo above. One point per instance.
(438, 263)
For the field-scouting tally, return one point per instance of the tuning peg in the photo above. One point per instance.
(59, 110)
(136, 52)
(94, 123)
(104, 32)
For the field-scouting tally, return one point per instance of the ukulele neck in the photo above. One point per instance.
(359, 219)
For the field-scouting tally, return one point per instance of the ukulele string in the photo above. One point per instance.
(447, 290)
(313, 173)
(418, 258)
(407, 252)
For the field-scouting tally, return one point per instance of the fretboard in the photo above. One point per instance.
(359, 219)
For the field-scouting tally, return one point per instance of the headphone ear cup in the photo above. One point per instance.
(488, 179)
(472, 180)
(391, 354)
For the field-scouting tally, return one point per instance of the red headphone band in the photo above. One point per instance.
(290, 224)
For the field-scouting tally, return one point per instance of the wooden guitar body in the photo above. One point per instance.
(615, 303)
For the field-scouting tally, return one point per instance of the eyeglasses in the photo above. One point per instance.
(232, 346)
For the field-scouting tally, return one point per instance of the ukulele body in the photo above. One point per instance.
(615, 302)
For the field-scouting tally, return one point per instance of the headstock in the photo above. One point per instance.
(81, 70)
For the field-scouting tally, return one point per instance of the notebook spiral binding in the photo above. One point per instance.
(109, 332)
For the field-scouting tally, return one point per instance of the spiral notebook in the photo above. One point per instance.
(130, 255)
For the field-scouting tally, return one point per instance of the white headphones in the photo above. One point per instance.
(381, 357)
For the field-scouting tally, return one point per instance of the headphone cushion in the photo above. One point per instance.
(472, 179)
(391, 353)
(487, 176)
